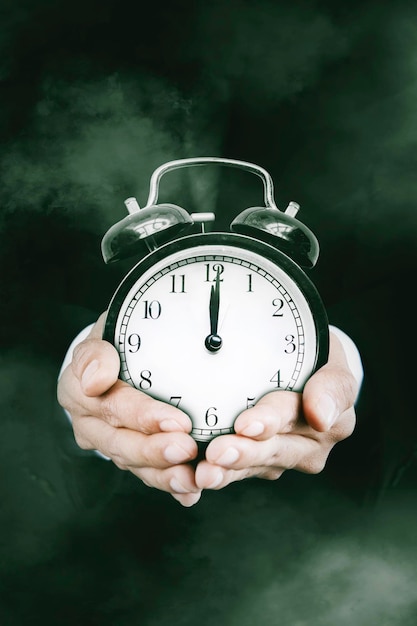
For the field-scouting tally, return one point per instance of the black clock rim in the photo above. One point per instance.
(262, 248)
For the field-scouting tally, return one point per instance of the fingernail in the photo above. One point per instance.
(216, 481)
(227, 458)
(327, 410)
(254, 429)
(170, 425)
(175, 454)
(177, 486)
(89, 372)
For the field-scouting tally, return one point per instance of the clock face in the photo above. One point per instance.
(213, 327)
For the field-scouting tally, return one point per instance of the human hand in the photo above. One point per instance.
(139, 434)
(286, 430)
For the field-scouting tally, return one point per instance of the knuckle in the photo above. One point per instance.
(67, 392)
(151, 477)
(313, 465)
(149, 414)
(284, 457)
(115, 451)
(110, 409)
(119, 463)
(341, 384)
(140, 473)
(81, 353)
(147, 483)
(128, 450)
(61, 396)
(121, 406)
(65, 402)
(145, 418)
(272, 473)
(344, 427)
(147, 456)
(349, 385)
(81, 441)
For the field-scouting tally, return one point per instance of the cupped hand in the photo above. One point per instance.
(286, 430)
(147, 437)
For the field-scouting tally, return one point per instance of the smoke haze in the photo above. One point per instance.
(95, 96)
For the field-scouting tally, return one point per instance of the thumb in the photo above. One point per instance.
(96, 364)
(331, 391)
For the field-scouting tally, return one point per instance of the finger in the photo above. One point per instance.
(96, 364)
(294, 452)
(132, 449)
(276, 412)
(330, 391)
(123, 406)
(100, 368)
(178, 480)
(188, 499)
(209, 476)
(98, 328)
(283, 451)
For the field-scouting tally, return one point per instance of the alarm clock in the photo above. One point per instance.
(212, 321)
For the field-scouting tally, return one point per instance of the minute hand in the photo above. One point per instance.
(215, 305)
(213, 341)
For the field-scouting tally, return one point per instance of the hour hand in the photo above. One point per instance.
(214, 341)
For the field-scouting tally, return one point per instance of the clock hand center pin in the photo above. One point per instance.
(213, 341)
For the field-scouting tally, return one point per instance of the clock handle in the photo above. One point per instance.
(145, 229)
(250, 167)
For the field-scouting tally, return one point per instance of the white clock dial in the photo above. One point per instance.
(168, 317)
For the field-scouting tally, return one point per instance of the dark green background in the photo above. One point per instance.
(96, 95)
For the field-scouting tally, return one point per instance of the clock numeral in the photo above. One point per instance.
(250, 402)
(175, 400)
(211, 418)
(277, 302)
(145, 382)
(276, 378)
(134, 342)
(178, 283)
(249, 289)
(152, 309)
(291, 347)
(216, 268)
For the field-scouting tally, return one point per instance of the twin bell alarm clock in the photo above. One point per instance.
(211, 322)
